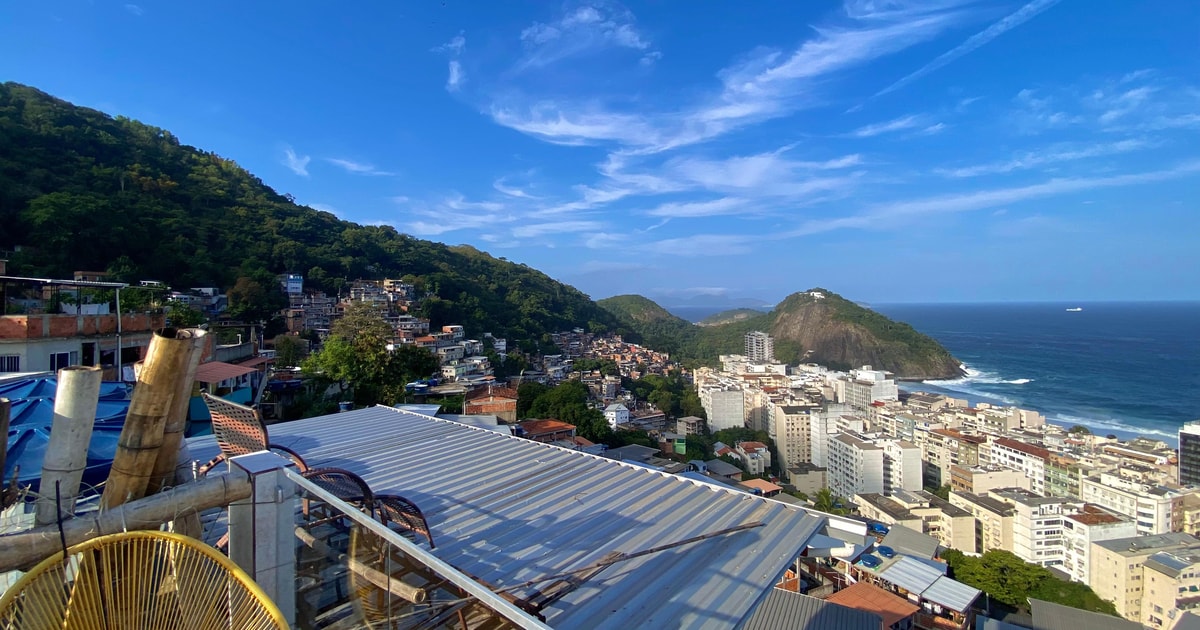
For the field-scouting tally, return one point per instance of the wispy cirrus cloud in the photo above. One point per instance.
(135, 9)
(764, 84)
(585, 28)
(555, 227)
(1048, 157)
(455, 74)
(895, 214)
(889, 126)
(357, 168)
(297, 163)
(973, 43)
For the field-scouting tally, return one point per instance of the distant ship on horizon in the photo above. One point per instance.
(1074, 310)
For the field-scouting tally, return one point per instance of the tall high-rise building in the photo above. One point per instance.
(760, 347)
(1189, 454)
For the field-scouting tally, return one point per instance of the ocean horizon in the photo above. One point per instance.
(1121, 368)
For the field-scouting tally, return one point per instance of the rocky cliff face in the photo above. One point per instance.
(835, 332)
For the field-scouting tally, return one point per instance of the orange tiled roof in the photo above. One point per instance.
(871, 598)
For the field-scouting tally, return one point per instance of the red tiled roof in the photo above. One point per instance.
(871, 598)
(217, 371)
(537, 427)
(494, 392)
(761, 484)
(1028, 449)
(753, 446)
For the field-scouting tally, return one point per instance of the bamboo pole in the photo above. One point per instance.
(20, 551)
(75, 404)
(163, 474)
(403, 590)
(142, 436)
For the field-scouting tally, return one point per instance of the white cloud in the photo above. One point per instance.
(501, 186)
(456, 76)
(896, 124)
(763, 85)
(555, 227)
(714, 207)
(298, 163)
(974, 42)
(609, 266)
(357, 168)
(702, 245)
(896, 214)
(135, 9)
(934, 129)
(1048, 156)
(455, 46)
(583, 29)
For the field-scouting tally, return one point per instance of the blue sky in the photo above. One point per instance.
(936, 150)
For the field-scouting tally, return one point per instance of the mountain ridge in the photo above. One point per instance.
(816, 326)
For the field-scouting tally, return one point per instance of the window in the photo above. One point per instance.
(60, 360)
(10, 363)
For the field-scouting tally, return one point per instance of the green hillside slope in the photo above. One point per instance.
(82, 190)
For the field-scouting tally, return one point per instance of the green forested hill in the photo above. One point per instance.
(829, 330)
(82, 190)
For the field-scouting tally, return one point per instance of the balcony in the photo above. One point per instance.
(67, 326)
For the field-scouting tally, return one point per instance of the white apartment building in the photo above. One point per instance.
(755, 455)
(855, 466)
(901, 466)
(1026, 458)
(760, 347)
(1089, 525)
(866, 386)
(822, 426)
(1151, 507)
(1037, 526)
(615, 414)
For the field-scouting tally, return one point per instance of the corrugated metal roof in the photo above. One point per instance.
(910, 575)
(507, 510)
(1051, 616)
(911, 542)
(785, 610)
(217, 371)
(951, 594)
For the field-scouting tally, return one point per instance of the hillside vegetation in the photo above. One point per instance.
(830, 330)
(82, 190)
(732, 315)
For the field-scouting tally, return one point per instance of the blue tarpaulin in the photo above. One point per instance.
(32, 416)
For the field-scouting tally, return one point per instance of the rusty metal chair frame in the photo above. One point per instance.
(239, 430)
(395, 509)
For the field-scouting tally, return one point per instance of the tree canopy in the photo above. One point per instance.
(356, 357)
(1010, 580)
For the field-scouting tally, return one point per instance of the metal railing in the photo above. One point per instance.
(418, 604)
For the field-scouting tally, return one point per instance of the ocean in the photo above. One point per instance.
(1121, 368)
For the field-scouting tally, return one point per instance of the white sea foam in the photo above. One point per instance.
(1102, 426)
(979, 377)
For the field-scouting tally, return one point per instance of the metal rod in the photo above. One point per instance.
(405, 591)
(621, 557)
(75, 403)
(485, 595)
(20, 551)
(5, 409)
